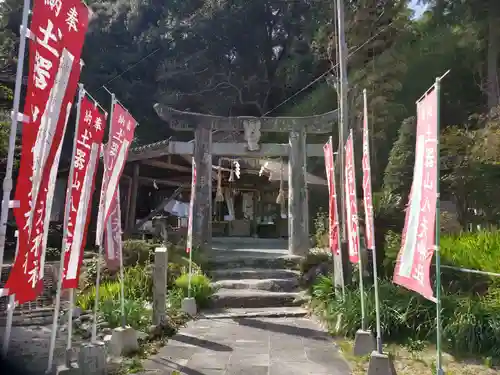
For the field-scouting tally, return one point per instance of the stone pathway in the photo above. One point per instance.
(249, 346)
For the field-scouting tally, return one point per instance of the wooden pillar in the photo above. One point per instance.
(134, 187)
(202, 224)
(128, 230)
(297, 241)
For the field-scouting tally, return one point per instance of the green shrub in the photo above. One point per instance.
(177, 254)
(313, 258)
(201, 290)
(471, 325)
(138, 283)
(388, 217)
(178, 251)
(88, 273)
(137, 252)
(174, 271)
(321, 229)
(108, 291)
(136, 311)
(174, 298)
(392, 245)
(85, 300)
(137, 314)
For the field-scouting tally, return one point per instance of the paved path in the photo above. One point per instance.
(246, 346)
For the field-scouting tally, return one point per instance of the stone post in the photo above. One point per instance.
(160, 285)
(92, 359)
(297, 242)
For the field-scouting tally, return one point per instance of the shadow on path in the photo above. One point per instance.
(284, 328)
(210, 345)
(171, 365)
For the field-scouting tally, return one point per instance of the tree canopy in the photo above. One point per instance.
(275, 57)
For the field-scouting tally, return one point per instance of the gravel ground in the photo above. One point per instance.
(29, 345)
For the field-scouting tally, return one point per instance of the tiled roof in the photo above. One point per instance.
(223, 137)
(150, 146)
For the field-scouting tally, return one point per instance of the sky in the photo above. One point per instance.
(419, 9)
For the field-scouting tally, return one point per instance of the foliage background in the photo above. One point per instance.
(259, 58)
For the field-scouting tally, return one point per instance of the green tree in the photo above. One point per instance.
(398, 174)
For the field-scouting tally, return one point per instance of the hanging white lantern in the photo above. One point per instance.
(237, 170)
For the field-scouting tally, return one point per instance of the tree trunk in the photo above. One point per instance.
(492, 59)
(439, 11)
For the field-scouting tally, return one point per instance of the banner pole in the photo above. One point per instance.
(362, 292)
(439, 367)
(70, 325)
(100, 235)
(339, 246)
(337, 224)
(122, 291)
(369, 211)
(81, 92)
(191, 223)
(360, 262)
(7, 182)
(96, 302)
(190, 271)
(122, 277)
(67, 209)
(10, 312)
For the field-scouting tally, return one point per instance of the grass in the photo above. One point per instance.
(474, 250)
(471, 324)
(417, 358)
(470, 311)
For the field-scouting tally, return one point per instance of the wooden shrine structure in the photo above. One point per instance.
(204, 150)
(264, 205)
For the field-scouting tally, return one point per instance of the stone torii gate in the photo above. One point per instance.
(252, 127)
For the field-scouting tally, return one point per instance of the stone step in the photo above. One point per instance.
(265, 312)
(271, 285)
(252, 273)
(250, 298)
(243, 260)
(250, 242)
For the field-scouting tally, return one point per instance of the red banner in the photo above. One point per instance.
(189, 244)
(351, 202)
(121, 136)
(58, 32)
(414, 259)
(113, 234)
(367, 186)
(87, 146)
(333, 224)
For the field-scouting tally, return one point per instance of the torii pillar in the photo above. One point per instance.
(298, 127)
